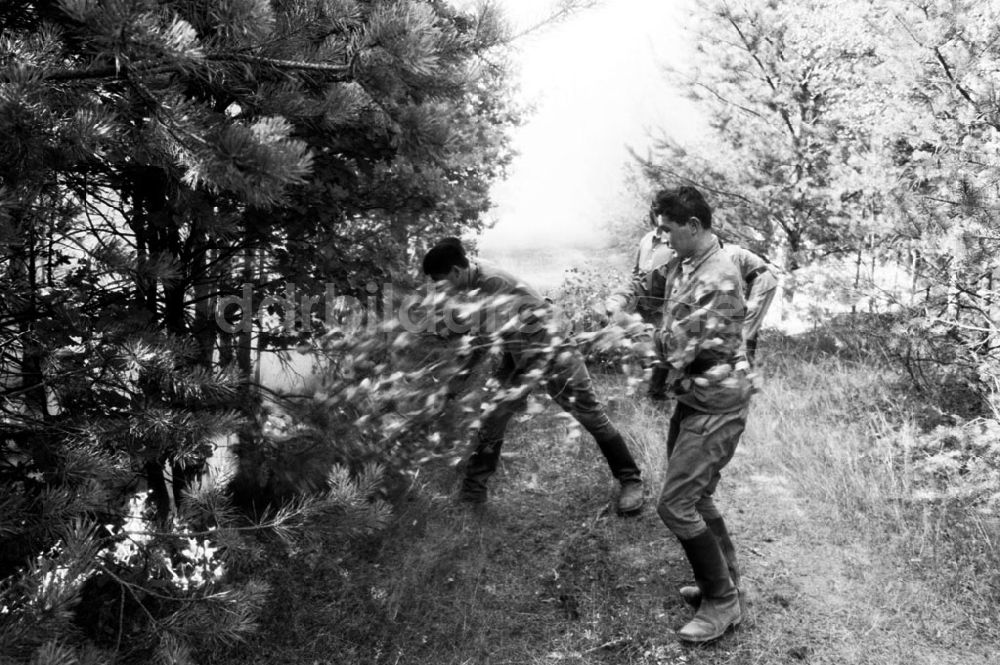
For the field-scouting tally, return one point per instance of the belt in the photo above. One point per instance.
(704, 362)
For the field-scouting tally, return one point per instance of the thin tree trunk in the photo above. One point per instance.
(871, 273)
(857, 280)
(203, 327)
(151, 221)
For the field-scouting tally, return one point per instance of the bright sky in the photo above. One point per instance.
(595, 83)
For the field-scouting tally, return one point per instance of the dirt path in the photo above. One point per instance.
(819, 593)
(824, 593)
(823, 596)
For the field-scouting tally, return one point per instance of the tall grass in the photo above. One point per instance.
(845, 432)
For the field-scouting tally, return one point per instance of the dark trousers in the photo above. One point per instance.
(751, 346)
(569, 383)
(699, 445)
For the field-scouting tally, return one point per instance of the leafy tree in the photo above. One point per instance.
(940, 58)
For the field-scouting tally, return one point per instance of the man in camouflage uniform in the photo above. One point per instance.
(525, 347)
(644, 294)
(647, 283)
(700, 342)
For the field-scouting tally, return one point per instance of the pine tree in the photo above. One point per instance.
(158, 156)
(782, 155)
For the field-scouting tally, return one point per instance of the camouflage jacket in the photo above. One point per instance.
(700, 338)
(759, 286)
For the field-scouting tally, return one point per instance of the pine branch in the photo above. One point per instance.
(660, 170)
(337, 72)
(768, 77)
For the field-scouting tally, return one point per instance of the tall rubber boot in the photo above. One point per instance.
(478, 469)
(624, 469)
(692, 594)
(720, 603)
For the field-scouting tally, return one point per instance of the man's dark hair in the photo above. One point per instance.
(679, 204)
(446, 254)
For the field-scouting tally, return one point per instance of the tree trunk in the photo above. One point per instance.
(246, 485)
(203, 327)
(244, 339)
(35, 398)
(993, 307)
(157, 483)
(871, 274)
(857, 280)
(788, 258)
(160, 223)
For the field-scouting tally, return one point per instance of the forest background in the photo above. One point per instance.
(163, 159)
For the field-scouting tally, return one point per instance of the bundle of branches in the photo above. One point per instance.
(411, 390)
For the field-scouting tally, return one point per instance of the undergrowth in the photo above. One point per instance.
(546, 573)
(893, 464)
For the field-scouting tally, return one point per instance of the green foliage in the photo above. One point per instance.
(959, 465)
(582, 294)
(581, 299)
(80, 543)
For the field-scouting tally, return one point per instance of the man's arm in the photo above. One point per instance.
(762, 289)
(636, 267)
(759, 283)
(625, 299)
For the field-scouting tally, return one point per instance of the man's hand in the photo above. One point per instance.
(613, 305)
(599, 315)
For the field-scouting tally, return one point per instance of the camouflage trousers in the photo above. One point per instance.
(699, 445)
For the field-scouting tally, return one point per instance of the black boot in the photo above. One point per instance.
(478, 469)
(624, 469)
(720, 604)
(657, 390)
(692, 594)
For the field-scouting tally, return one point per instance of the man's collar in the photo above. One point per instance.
(695, 260)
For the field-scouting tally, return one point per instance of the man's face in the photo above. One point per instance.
(680, 235)
(454, 277)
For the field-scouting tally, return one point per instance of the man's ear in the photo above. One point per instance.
(694, 223)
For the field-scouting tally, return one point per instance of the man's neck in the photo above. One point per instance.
(706, 240)
(704, 243)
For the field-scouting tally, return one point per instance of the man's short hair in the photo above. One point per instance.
(446, 254)
(679, 204)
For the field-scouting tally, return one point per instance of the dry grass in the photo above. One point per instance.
(841, 565)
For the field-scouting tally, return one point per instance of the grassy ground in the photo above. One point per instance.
(841, 567)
